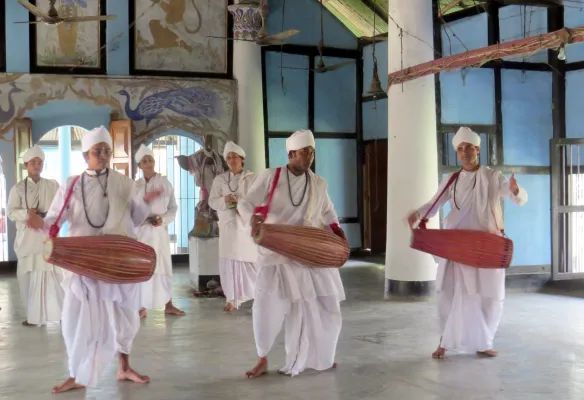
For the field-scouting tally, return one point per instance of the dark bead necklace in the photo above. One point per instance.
(229, 182)
(456, 181)
(290, 188)
(104, 189)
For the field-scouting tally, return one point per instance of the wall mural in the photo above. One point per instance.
(69, 44)
(173, 35)
(200, 106)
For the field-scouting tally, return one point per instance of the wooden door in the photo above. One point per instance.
(22, 142)
(121, 131)
(375, 196)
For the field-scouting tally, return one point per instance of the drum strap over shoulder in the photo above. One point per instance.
(451, 180)
(265, 209)
(54, 229)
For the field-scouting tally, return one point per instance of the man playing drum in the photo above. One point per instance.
(305, 299)
(99, 319)
(470, 300)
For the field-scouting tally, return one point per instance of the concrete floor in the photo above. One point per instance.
(383, 353)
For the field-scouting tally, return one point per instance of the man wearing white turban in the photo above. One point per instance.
(306, 300)
(40, 283)
(157, 292)
(237, 250)
(99, 319)
(470, 300)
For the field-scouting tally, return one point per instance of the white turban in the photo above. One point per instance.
(465, 134)
(231, 147)
(300, 139)
(143, 151)
(34, 151)
(95, 136)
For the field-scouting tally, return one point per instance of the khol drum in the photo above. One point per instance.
(107, 258)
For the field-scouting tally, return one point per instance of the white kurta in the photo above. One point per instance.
(40, 283)
(99, 319)
(470, 300)
(237, 250)
(158, 290)
(305, 299)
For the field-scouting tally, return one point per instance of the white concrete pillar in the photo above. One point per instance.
(247, 70)
(412, 148)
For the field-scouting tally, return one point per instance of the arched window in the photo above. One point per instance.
(166, 149)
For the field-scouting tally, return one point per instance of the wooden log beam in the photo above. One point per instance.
(478, 57)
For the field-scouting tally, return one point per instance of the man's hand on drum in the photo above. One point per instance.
(153, 195)
(34, 220)
(413, 218)
(256, 221)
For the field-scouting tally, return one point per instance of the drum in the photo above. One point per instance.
(473, 248)
(310, 246)
(107, 258)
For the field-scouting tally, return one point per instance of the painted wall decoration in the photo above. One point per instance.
(72, 45)
(200, 106)
(173, 35)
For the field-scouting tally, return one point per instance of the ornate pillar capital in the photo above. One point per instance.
(247, 19)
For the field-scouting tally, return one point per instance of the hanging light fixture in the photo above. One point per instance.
(375, 89)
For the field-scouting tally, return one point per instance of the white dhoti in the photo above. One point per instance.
(468, 322)
(40, 289)
(307, 301)
(99, 320)
(237, 280)
(157, 291)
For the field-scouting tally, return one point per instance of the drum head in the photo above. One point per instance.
(47, 249)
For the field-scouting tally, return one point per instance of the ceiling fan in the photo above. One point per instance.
(262, 37)
(52, 17)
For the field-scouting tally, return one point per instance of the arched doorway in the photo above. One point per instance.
(166, 149)
(3, 230)
(63, 156)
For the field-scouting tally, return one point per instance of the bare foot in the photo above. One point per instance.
(334, 365)
(439, 353)
(170, 309)
(229, 307)
(487, 353)
(26, 323)
(69, 384)
(261, 368)
(142, 313)
(132, 376)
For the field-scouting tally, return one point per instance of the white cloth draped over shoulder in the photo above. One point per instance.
(237, 250)
(158, 290)
(235, 241)
(40, 282)
(99, 319)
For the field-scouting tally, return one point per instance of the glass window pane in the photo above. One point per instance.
(465, 34)
(529, 226)
(335, 97)
(517, 22)
(287, 91)
(375, 120)
(468, 96)
(527, 117)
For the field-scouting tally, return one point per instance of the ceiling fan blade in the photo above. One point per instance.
(282, 35)
(334, 67)
(33, 9)
(90, 18)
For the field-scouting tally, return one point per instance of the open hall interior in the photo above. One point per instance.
(384, 87)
